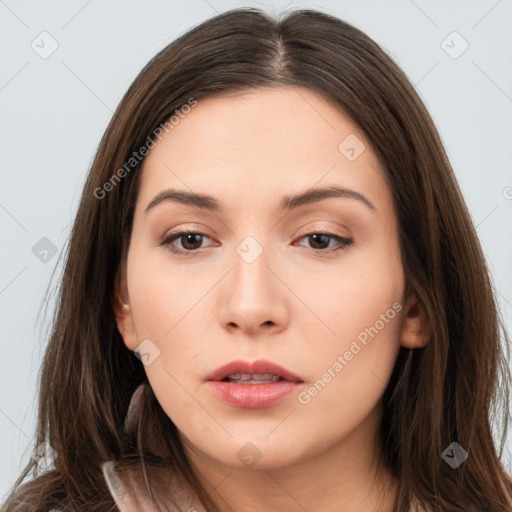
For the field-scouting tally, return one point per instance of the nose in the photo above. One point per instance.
(254, 300)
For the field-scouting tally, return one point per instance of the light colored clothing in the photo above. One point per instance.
(128, 488)
(130, 493)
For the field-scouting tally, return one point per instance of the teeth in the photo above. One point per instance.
(265, 376)
(247, 378)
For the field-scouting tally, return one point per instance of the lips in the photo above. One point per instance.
(253, 369)
(253, 385)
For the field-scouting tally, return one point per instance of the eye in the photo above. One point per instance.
(190, 241)
(321, 241)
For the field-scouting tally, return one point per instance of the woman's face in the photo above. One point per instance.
(310, 281)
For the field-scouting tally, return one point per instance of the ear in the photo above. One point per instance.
(122, 312)
(415, 327)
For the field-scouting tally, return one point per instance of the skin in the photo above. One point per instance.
(293, 305)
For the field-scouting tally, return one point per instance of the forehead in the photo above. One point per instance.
(249, 148)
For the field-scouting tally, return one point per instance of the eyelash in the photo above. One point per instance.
(169, 239)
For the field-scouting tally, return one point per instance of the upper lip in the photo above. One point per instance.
(260, 367)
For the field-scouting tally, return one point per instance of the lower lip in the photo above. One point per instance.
(253, 396)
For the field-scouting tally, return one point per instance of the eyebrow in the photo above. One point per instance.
(209, 203)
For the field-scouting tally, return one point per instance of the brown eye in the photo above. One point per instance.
(321, 241)
(189, 241)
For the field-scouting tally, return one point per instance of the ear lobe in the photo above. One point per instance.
(122, 313)
(415, 327)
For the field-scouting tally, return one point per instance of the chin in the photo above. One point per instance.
(257, 453)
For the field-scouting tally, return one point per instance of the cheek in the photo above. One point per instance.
(169, 310)
(356, 344)
(351, 295)
(349, 371)
(162, 294)
(361, 322)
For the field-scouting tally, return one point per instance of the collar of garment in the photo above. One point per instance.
(127, 486)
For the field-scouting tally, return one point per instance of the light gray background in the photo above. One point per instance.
(53, 112)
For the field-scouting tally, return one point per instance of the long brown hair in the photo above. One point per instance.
(445, 392)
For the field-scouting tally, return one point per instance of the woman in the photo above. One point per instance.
(271, 225)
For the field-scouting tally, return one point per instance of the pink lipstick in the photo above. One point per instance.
(253, 385)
